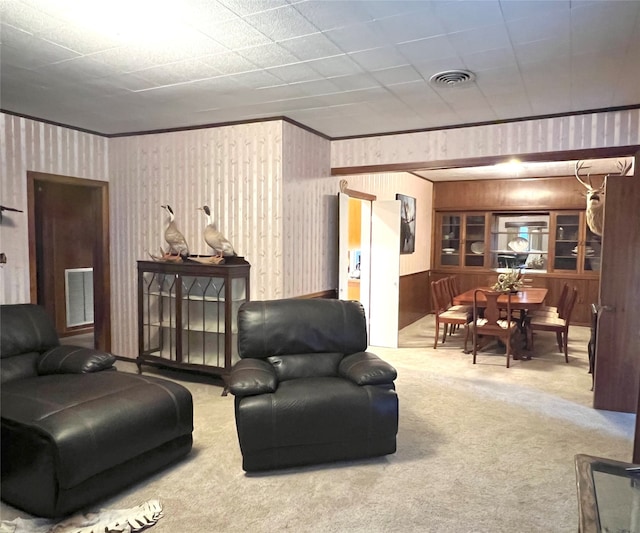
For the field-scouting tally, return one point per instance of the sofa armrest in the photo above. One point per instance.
(365, 368)
(73, 360)
(252, 376)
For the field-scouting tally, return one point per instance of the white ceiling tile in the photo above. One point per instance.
(294, 73)
(35, 51)
(489, 59)
(330, 67)
(25, 16)
(235, 34)
(426, 50)
(79, 68)
(81, 40)
(180, 71)
(467, 14)
(281, 23)
(480, 39)
(229, 63)
(355, 82)
(379, 58)
(357, 37)
(545, 50)
(312, 46)
(268, 55)
(525, 9)
(396, 75)
(539, 27)
(257, 79)
(409, 27)
(249, 7)
(571, 56)
(329, 15)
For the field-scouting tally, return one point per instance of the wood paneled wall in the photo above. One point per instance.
(530, 193)
(414, 298)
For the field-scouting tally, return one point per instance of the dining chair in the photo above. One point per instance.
(451, 285)
(492, 319)
(444, 314)
(558, 324)
(552, 309)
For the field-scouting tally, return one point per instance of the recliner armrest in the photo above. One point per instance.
(365, 368)
(252, 376)
(73, 360)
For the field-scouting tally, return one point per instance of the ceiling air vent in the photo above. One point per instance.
(452, 78)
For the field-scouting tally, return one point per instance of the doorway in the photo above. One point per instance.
(69, 254)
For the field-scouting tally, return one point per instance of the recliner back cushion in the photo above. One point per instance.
(306, 365)
(25, 331)
(299, 326)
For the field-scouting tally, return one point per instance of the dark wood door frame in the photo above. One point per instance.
(101, 288)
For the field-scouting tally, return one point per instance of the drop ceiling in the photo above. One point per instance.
(342, 68)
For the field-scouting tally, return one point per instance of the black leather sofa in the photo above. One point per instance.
(306, 391)
(74, 430)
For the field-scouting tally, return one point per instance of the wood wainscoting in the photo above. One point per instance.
(415, 298)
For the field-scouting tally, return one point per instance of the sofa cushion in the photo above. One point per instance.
(73, 360)
(96, 421)
(19, 367)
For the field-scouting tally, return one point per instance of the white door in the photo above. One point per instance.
(343, 246)
(385, 273)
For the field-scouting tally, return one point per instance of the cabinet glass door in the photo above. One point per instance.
(451, 239)
(567, 240)
(474, 241)
(159, 315)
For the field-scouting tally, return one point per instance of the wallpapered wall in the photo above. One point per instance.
(267, 183)
(594, 130)
(32, 145)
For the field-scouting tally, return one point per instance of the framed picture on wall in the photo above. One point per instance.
(407, 223)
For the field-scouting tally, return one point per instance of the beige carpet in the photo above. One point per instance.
(481, 448)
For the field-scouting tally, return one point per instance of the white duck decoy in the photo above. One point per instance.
(214, 238)
(176, 241)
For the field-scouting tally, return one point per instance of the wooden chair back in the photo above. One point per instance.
(494, 322)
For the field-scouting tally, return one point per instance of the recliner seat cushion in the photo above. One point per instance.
(94, 421)
(306, 418)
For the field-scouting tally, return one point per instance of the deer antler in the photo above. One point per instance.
(624, 167)
(579, 167)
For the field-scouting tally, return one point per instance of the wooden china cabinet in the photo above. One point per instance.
(478, 231)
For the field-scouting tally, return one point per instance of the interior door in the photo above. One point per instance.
(343, 246)
(385, 273)
(617, 371)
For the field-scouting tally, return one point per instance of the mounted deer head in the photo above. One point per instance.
(595, 195)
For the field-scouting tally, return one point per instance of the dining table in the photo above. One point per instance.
(526, 299)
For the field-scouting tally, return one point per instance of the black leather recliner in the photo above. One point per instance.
(74, 430)
(306, 391)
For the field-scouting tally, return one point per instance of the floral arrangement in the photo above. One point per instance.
(509, 281)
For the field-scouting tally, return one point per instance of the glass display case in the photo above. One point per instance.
(520, 241)
(187, 314)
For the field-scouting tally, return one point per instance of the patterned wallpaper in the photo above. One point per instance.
(236, 170)
(594, 130)
(267, 183)
(310, 210)
(31, 145)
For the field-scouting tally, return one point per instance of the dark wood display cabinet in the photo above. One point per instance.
(187, 314)
(551, 247)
